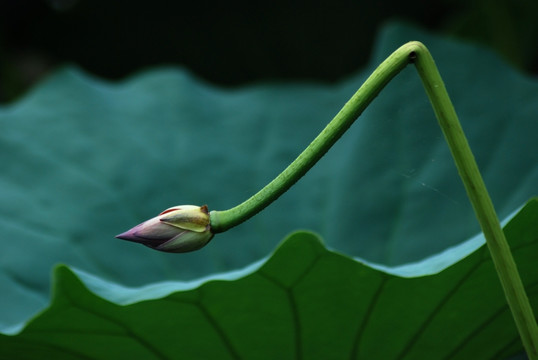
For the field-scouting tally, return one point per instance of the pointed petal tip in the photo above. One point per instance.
(125, 236)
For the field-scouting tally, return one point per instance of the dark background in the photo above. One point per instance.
(233, 43)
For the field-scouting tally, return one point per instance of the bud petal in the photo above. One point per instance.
(177, 229)
(194, 218)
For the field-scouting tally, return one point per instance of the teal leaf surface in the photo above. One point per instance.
(303, 302)
(83, 160)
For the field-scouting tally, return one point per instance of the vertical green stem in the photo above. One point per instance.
(480, 199)
(468, 170)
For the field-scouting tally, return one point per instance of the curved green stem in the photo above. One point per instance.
(417, 53)
(224, 220)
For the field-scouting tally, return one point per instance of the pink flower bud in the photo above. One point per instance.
(177, 229)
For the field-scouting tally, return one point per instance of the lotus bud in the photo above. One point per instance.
(177, 229)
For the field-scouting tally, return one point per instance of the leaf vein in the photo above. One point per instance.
(219, 330)
(451, 292)
(365, 321)
(130, 334)
(212, 322)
